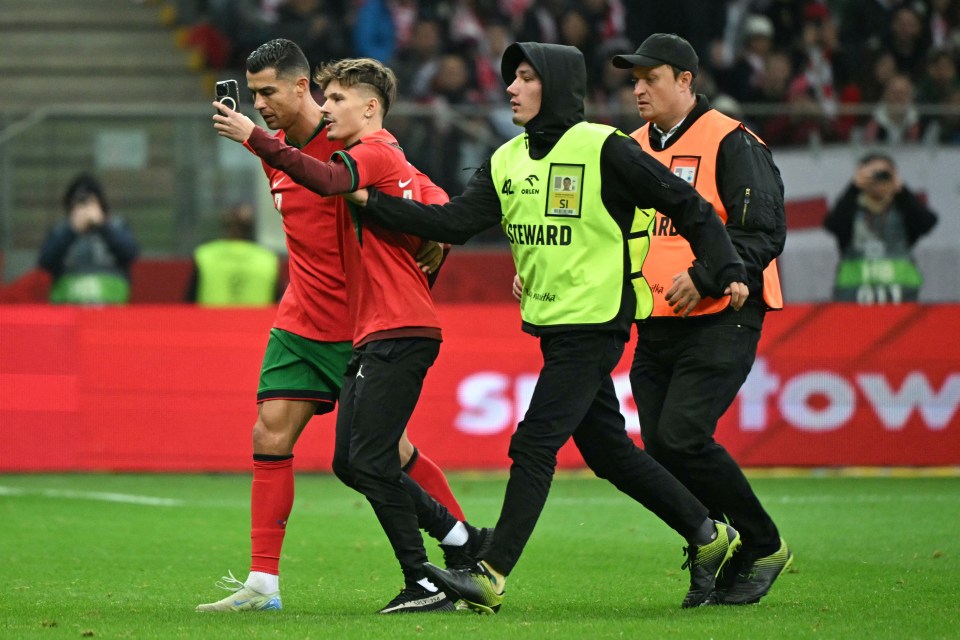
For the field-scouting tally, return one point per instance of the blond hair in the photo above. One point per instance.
(351, 72)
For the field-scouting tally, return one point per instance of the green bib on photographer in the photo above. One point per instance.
(90, 288)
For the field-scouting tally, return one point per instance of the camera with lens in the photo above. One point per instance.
(228, 92)
(883, 175)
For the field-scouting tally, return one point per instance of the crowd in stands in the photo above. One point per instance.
(797, 71)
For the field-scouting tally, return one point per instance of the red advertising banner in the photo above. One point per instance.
(172, 388)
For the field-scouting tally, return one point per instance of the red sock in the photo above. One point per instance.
(271, 499)
(429, 476)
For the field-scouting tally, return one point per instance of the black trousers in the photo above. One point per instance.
(574, 396)
(381, 387)
(684, 378)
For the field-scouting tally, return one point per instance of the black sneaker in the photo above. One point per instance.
(705, 562)
(418, 599)
(755, 577)
(479, 589)
(467, 555)
(725, 578)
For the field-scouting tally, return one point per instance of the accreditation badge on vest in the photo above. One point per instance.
(565, 186)
(685, 167)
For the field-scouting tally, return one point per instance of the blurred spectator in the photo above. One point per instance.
(541, 21)
(882, 66)
(787, 18)
(908, 39)
(404, 14)
(513, 9)
(234, 271)
(814, 52)
(745, 79)
(863, 23)
(607, 16)
(467, 19)
(940, 79)
(836, 63)
(948, 125)
(703, 24)
(485, 57)
(318, 26)
(374, 35)
(576, 30)
(90, 252)
(805, 121)
(212, 43)
(895, 119)
(457, 138)
(937, 89)
(244, 23)
(224, 31)
(944, 23)
(812, 101)
(611, 100)
(876, 222)
(416, 64)
(774, 125)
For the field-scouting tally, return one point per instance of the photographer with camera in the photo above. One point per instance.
(877, 221)
(89, 252)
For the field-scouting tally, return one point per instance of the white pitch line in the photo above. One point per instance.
(93, 495)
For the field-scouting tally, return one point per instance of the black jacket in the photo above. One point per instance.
(759, 238)
(918, 219)
(109, 247)
(631, 178)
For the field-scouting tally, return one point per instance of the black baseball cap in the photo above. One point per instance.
(661, 48)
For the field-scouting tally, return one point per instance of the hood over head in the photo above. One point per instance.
(563, 73)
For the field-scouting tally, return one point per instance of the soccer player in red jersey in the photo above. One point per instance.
(310, 344)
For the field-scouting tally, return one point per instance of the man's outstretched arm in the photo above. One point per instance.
(476, 209)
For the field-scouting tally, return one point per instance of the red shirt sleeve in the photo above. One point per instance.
(429, 192)
(325, 178)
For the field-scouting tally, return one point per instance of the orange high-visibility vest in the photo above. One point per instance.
(669, 252)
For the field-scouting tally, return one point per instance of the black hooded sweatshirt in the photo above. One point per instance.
(630, 179)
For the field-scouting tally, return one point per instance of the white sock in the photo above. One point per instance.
(456, 537)
(426, 584)
(263, 582)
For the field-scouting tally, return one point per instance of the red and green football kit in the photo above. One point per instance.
(314, 309)
(314, 305)
(396, 332)
(386, 290)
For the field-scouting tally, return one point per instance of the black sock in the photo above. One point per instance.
(705, 534)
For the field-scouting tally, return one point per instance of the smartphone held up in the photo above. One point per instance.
(228, 92)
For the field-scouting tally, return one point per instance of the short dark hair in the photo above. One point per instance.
(876, 155)
(280, 54)
(350, 72)
(83, 187)
(693, 78)
(239, 222)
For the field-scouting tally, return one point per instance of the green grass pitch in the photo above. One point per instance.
(129, 556)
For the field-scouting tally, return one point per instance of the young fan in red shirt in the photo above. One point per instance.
(310, 343)
(396, 334)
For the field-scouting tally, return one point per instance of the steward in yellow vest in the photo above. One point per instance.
(554, 226)
(234, 271)
(566, 193)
